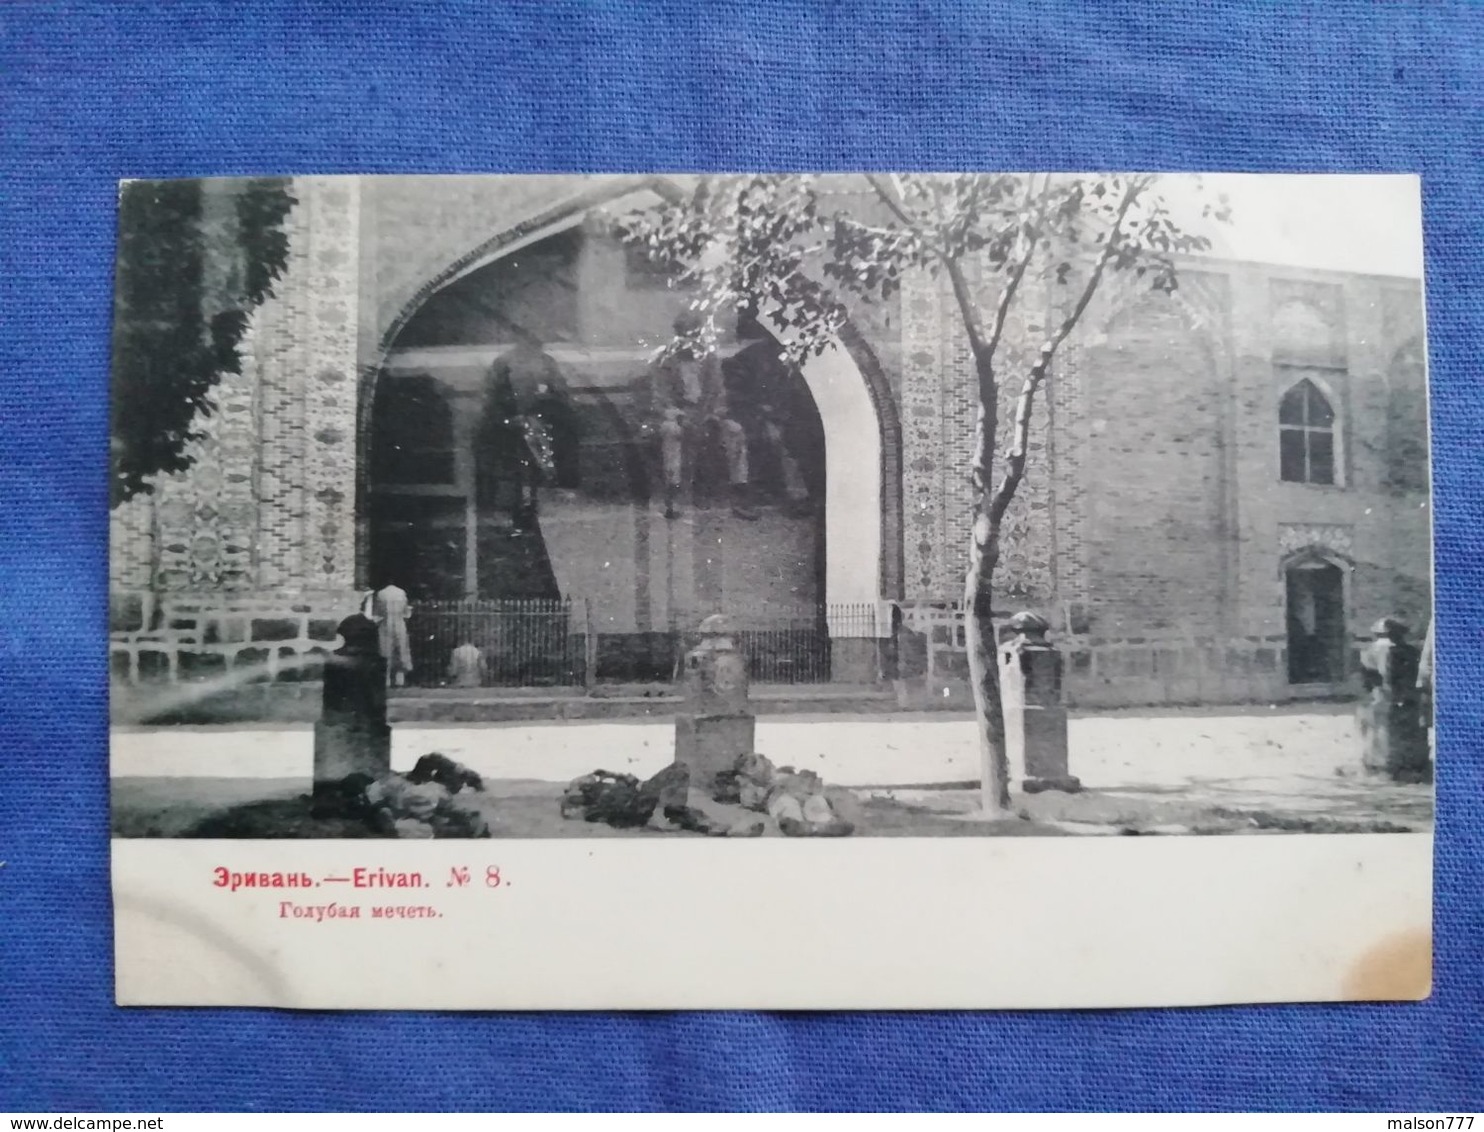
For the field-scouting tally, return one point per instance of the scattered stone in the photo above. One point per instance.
(846, 804)
(615, 799)
(785, 807)
(669, 787)
(421, 804)
(798, 801)
(344, 799)
(1066, 784)
(462, 816)
(441, 769)
(817, 810)
(403, 798)
(748, 783)
(750, 798)
(705, 815)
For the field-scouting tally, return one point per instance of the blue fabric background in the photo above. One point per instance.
(91, 92)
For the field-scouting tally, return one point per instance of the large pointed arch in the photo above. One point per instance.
(863, 513)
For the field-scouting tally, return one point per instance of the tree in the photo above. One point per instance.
(194, 259)
(769, 243)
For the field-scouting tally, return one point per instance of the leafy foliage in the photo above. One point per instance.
(736, 240)
(771, 242)
(738, 244)
(175, 335)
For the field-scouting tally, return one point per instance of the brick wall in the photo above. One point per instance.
(1160, 514)
(131, 546)
(1152, 526)
(264, 518)
(1207, 524)
(1152, 454)
(191, 637)
(939, 411)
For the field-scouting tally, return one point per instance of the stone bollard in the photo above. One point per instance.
(1393, 731)
(352, 735)
(716, 727)
(1035, 718)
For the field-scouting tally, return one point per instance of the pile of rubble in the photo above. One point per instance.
(749, 800)
(428, 801)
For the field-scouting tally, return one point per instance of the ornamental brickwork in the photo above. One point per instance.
(940, 409)
(211, 569)
(1152, 527)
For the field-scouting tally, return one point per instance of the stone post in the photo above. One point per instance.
(716, 727)
(352, 735)
(1393, 732)
(1035, 718)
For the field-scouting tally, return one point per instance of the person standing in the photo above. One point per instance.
(389, 609)
(1391, 723)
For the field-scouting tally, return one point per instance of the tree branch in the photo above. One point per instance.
(951, 266)
(969, 311)
(1007, 294)
(889, 198)
(1007, 297)
(1115, 237)
(1015, 458)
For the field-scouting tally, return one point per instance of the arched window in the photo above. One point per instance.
(1306, 435)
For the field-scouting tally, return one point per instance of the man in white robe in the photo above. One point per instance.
(389, 609)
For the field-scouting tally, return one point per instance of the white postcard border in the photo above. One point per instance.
(874, 923)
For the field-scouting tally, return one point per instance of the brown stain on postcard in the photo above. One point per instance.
(1397, 969)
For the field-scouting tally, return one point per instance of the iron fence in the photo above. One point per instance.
(795, 646)
(534, 643)
(520, 642)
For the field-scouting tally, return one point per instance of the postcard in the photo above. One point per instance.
(770, 591)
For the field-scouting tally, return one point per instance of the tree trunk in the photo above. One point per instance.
(979, 630)
(984, 678)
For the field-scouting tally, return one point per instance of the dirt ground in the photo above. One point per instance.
(259, 808)
(1219, 770)
(273, 808)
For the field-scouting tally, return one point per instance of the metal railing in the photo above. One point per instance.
(521, 643)
(795, 646)
(539, 643)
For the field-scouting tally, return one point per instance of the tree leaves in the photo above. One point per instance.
(770, 242)
(172, 340)
(739, 240)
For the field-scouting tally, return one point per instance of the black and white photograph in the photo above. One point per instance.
(787, 507)
(809, 506)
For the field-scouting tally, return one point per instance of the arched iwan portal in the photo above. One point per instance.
(861, 515)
